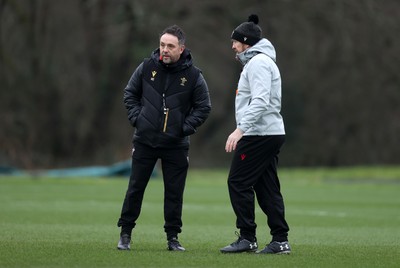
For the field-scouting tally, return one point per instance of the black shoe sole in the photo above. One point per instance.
(235, 252)
(274, 253)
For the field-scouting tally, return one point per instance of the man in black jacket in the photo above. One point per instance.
(167, 99)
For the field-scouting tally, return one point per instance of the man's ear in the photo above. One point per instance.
(182, 48)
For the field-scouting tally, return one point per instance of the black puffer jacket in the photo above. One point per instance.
(166, 103)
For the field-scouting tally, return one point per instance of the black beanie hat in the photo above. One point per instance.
(248, 32)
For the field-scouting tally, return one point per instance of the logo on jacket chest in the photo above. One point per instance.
(183, 81)
(153, 75)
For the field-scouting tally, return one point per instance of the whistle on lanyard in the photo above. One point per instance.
(166, 111)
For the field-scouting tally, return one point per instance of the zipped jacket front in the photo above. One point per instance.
(259, 92)
(166, 103)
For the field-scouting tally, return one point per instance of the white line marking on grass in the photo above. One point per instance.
(321, 213)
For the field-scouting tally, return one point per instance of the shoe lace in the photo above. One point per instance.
(125, 239)
(174, 242)
(238, 240)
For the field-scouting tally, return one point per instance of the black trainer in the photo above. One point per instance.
(240, 245)
(174, 245)
(276, 248)
(124, 242)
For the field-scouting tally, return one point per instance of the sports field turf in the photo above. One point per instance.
(338, 218)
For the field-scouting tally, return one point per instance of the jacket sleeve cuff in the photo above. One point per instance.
(243, 127)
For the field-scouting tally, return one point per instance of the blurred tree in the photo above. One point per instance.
(64, 65)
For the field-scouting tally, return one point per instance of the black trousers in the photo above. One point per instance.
(254, 171)
(174, 164)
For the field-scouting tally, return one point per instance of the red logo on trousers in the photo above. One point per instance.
(242, 156)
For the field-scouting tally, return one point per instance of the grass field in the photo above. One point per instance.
(338, 218)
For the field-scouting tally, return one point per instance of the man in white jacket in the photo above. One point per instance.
(256, 142)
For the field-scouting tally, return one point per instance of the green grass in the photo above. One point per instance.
(338, 218)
